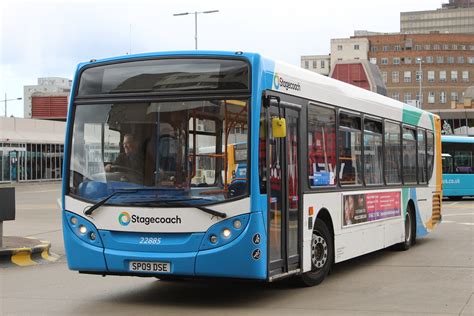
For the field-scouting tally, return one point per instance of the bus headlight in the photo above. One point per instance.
(83, 229)
(226, 233)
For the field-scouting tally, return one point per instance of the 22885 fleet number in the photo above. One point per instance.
(150, 240)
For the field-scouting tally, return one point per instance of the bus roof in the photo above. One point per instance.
(457, 139)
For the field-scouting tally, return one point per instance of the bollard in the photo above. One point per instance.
(7, 208)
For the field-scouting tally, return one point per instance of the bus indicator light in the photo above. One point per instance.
(311, 211)
(213, 239)
(237, 224)
(82, 229)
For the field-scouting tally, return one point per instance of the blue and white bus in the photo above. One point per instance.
(458, 166)
(331, 171)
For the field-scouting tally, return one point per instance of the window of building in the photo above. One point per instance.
(442, 76)
(396, 60)
(442, 97)
(350, 162)
(407, 60)
(384, 61)
(373, 60)
(323, 64)
(450, 59)
(471, 47)
(429, 59)
(373, 49)
(421, 138)
(460, 59)
(356, 46)
(436, 47)
(409, 152)
(431, 76)
(462, 47)
(397, 48)
(373, 151)
(385, 48)
(445, 47)
(306, 64)
(384, 76)
(315, 64)
(396, 96)
(427, 47)
(407, 76)
(419, 76)
(454, 96)
(439, 59)
(395, 77)
(465, 76)
(431, 97)
(392, 153)
(339, 47)
(407, 97)
(454, 47)
(470, 60)
(417, 47)
(419, 97)
(454, 75)
(321, 146)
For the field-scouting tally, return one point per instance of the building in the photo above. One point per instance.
(30, 150)
(48, 99)
(359, 73)
(440, 66)
(317, 63)
(354, 48)
(455, 17)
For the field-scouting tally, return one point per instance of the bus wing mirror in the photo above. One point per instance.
(278, 127)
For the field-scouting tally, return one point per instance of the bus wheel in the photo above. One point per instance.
(322, 255)
(410, 231)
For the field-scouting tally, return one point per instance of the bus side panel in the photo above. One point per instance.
(458, 185)
(241, 258)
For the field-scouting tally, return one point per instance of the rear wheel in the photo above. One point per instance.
(322, 255)
(410, 230)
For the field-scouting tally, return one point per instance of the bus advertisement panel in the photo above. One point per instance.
(369, 207)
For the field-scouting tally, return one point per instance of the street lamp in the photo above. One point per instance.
(6, 102)
(420, 78)
(195, 22)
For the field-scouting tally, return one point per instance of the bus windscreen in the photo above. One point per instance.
(164, 75)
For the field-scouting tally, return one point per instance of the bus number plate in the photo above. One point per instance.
(143, 266)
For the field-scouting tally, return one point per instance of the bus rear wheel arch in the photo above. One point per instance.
(410, 229)
(322, 254)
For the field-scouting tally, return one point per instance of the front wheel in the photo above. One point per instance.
(322, 255)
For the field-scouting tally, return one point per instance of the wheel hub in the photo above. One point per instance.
(319, 251)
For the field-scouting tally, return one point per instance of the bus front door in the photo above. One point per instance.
(284, 198)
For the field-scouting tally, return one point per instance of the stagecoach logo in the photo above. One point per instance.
(124, 218)
(278, 82)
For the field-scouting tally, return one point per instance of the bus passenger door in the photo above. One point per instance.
(284, 198)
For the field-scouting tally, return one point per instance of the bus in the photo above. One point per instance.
(328, 171)
(458, 166)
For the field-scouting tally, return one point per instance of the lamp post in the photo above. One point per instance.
(195, 22)
(5, 100)
(420, 78)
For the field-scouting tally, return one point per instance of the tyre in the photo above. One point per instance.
(410, 230)
(322, 255)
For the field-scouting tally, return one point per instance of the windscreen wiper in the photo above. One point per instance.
(180, 203)
(91, 209)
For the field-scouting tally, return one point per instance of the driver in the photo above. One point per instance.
(130, 158)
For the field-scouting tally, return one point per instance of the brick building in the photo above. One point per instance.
(447, 66)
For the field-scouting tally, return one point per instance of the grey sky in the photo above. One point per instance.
(49, 38)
